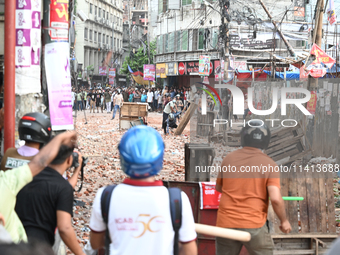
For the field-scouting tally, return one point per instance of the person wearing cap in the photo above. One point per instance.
(139, 217)
(179, 102)
(245, 194)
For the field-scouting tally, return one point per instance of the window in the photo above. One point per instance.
(114, 43)
(166, 43)
(103, 39)
(95, 10)
(162, 6)
(184, 40)
(107, 15)
(99, 38)
(95, 37)
(160, 44)
(86, 33)
(91, 6)
(178, 41)
(111, 42)
(99, 12)
(194, 39)
(111, 18)
(107, 40)
(90, 35)
(171, 42)
(186, 2)
(201, 39)
(214, 38)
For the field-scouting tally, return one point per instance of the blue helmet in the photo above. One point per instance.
(141, 152)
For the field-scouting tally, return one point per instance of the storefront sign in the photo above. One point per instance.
(57, 64)
(59, 20)
(27, 46)
(182, 68)
(149, 72)
(160, 70)
(251, 43)
(171, 69)
(193, 68)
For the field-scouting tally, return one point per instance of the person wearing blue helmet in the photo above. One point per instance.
(139, 218)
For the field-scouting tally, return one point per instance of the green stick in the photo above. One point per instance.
(292, 198)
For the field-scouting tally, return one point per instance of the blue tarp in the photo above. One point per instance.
(289, 75)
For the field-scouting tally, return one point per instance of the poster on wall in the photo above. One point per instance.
(58, 76)
(112, 75)
(58, 20)
(102, 70)
(204, 66)
(149, 72)
(27, 46)
(311, 105)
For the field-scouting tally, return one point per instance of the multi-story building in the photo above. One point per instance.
(99, 35)
(186, 29)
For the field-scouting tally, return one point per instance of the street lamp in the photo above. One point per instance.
(206, 3)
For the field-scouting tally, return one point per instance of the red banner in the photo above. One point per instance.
(311, 105)
(321, 57)
(303, 73)
(59, 20)
(210, 198)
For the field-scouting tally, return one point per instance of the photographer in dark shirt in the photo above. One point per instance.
(46, 203)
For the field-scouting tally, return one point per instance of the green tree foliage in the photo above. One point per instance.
(139, 59)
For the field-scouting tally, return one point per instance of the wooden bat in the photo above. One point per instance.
(222, 232)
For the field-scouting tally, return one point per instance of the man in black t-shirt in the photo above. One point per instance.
(98, 100)
(92, 96)
(47, 203)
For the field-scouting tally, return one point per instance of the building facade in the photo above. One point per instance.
(187, 29)
(99, 39)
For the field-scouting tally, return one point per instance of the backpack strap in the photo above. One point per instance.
(176, 214)
(105, 206)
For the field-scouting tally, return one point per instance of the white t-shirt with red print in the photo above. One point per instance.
(140, 219)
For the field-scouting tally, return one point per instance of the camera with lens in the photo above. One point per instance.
(75, 164)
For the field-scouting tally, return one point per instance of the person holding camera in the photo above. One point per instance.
(11, 182)
(47, 203)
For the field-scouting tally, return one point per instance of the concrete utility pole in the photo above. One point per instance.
(289, 47)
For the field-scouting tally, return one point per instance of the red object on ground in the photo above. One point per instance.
(9, 87)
